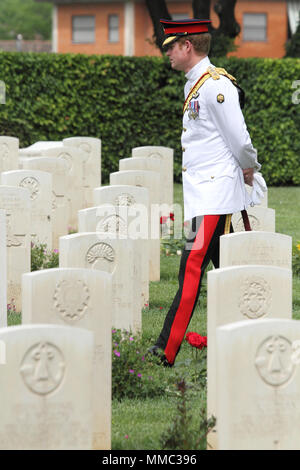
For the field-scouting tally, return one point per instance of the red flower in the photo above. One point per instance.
(163, 219)
(172, 216)
(195, 340)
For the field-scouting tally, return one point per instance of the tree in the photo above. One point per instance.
(25, 17)
(293, 46)
(222, 37)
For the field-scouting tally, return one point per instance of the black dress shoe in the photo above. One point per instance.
(157, 352)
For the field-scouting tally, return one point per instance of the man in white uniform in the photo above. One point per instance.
(218, 157)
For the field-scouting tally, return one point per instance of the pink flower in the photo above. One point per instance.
(139, 375)
(131, 371)
(126, 437)
(131, 339)
(116, 353)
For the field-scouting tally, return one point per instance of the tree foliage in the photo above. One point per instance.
(222, 37)
(26, 17)
(293, 46)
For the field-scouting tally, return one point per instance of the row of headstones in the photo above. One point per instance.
(52, 157)
(75, 167)
(253, 345)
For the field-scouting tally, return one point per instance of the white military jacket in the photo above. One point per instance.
(216, 146)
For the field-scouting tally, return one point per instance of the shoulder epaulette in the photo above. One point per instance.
(212, 72)
(215, 73)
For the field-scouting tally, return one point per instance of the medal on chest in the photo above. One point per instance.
(193, 109)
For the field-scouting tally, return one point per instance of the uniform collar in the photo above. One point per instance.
(198, 69)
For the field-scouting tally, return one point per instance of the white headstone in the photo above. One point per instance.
(258, 381)
(81, 298)
(9, 148)
(46, 388)
(137, 199)
(3, 268)
(149, 180)
(59, 200)
(117, 257)
(166, 156)
(74, 159)
(266, 248)
(146, 164)
(39, 184)
(242, 293)
(260, 218)
(91, 164)
(121, 195)
(16, 202)
(118, 220)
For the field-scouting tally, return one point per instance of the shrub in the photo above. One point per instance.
(41, 258)
(134, 376)
(134, 101)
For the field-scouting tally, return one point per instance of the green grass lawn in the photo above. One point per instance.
(139, 424)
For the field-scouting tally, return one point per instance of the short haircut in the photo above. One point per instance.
(201, 42)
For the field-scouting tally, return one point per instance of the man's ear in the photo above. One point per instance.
(188, 45)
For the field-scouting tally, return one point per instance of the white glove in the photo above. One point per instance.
(259, 187)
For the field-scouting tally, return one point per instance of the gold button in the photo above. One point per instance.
(184, 129)
(183, 168)
(183, 149)
(212, 177)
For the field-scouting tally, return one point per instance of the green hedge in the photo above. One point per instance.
(129, 102)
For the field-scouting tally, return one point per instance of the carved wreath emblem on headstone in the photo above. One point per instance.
(155, 155)
(71, 299)
(67, 158)
(43, 368)
(100, 251)
(255, 297)
(254, 224)
(273, 360)
(32, 184)
(124, 199)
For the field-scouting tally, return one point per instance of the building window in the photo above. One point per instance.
(113, 28)
(83, 29)
(180, 16)
(255, 27)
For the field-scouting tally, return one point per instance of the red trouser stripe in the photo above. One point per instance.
(190, 285)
